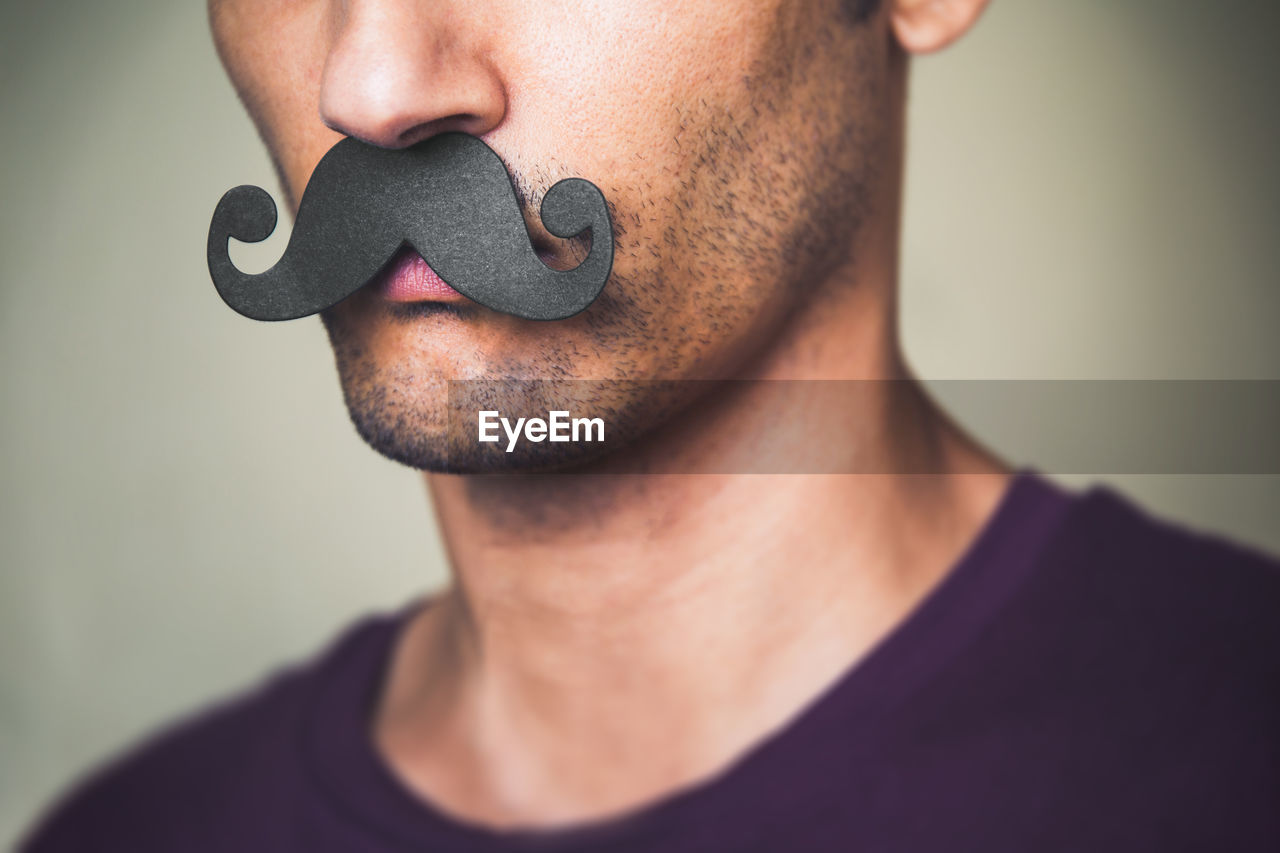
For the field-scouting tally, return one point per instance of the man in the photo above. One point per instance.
(932, 654)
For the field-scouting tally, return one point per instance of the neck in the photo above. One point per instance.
(609, 638)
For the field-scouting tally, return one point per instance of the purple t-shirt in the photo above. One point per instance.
(1084, 679)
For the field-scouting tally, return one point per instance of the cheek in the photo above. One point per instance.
(274, 53)
(615, 96)
(634, 102)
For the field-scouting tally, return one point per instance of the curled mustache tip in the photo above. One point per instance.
(248, 214)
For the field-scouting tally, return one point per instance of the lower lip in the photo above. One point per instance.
(410, 279)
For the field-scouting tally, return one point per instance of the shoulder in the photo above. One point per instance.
(1164, 575)
(204, 774)
(1134, 672)
(1171, 632)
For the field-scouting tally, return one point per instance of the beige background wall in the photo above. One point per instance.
(1093, 193)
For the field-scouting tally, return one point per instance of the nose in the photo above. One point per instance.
(400, 71)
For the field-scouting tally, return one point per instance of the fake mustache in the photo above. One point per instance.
(449, 198)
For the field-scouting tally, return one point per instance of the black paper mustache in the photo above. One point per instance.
(449, 197)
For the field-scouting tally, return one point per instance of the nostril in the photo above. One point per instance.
(463, 122)
(460, 122)
(413, 135)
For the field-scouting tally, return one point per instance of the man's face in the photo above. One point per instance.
(734, 139)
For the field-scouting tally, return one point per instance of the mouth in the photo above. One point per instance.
(408, 278)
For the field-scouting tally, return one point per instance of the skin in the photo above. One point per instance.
(609, 637)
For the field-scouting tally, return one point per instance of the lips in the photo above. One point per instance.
(408, 278)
